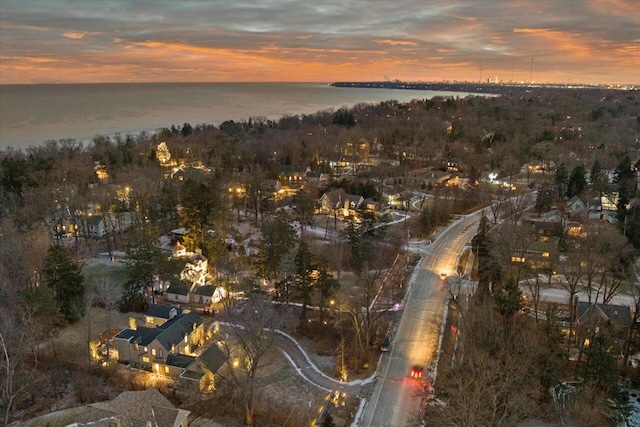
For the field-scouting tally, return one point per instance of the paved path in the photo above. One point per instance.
(299, 359)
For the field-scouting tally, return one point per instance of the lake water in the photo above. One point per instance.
(32, 114)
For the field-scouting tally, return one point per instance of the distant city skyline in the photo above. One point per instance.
(571, 41)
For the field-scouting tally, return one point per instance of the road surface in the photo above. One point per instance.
(395, 400)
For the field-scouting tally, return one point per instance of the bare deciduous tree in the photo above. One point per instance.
(252, 336)
(109, 294)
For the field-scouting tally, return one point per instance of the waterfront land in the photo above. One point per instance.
(312, 225)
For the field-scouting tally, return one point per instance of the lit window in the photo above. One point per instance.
(545, 254)
(166, 370)
(145, 359)
(135, 346)
(153, 351)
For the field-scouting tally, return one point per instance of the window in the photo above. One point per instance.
(135, 346)
(149, 319)
(160, 354)
(145, 359)
(153, 351)
(166, 370)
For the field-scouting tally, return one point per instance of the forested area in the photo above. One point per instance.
(587, 143)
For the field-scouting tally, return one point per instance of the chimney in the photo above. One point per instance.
(172, 313)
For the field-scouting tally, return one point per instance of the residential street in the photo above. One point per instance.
(395, 400)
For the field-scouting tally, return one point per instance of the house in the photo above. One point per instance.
(436, 178)
(96, 226)
(338, 202)
(320, 180)
(130, 408)
(207, 295)
(393, 195)
(591, 317)
(372, 206)
(99, 225)
(205, 366)
(178, 291)
(537, 254)
(292, 176)
(157, 314)
(453, 164)
(150, 348)
(195, 271)
(177, 250)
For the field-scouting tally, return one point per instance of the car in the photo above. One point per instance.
(416, 372)
(385, 344)
(443, 276)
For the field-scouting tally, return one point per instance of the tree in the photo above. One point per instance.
(306, 274)
(561, 180)
(481, 245)
(143, 260)
(10, 389)
(202, 204)
(327, 288)
(109, 294)
(598, 180)
(577, 182)
(65, 280)
(251, 338)
(278, 237)
(327, 421)
(425, 221)
(545, 197)
(304, 207)
(509, 299)
(625, 181)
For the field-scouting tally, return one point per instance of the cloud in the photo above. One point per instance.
(251, 40)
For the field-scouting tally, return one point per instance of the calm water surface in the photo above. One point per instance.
(32, 114)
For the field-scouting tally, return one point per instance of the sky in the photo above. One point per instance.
(94, 41)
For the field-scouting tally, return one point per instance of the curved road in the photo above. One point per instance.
(395, 400)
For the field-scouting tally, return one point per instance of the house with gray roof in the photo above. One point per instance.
(129, 408)
(173, 348)
(149, 347)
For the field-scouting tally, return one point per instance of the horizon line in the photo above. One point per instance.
(510, 83)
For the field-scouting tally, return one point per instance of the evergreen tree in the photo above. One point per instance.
(327, 288)
(631, 226)
(598, 180)
(143, 264)
(327, 421)
(425, 221)
(545, 197)
(278, 237)
(201, 205)
(577, 182)
(305, 270)
(64, 278)
(509, 299)
(600, 369)
(481, 246)
(561, 180)
(304, 207)
(626, 182)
